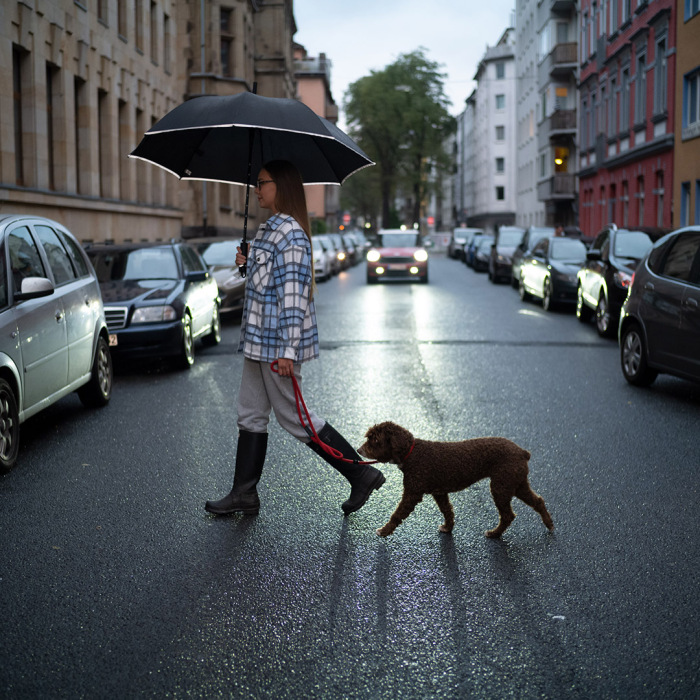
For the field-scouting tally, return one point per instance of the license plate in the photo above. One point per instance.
(396, 267)
(113, 339)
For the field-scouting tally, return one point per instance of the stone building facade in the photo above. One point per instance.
(86, 79)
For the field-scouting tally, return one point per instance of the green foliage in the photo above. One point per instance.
(400, 117)
(318, 226)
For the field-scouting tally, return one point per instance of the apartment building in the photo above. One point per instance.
(494, 137)
(464, 178)
(530, 211)
(557, 132)
(313, 79)
(627, 53)
(85, 80)
(686, 163)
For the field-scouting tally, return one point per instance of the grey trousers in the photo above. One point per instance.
(262, 391)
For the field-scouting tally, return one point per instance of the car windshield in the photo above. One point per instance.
(631, 244)
(219, 252)
(399, 240)
(485, 243)
(510, 238)
(139, 264)
(568, 249)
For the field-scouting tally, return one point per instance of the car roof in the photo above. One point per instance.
(119, 247)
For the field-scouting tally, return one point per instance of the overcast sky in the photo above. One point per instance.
(359, 36)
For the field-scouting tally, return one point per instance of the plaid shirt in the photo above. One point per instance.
(279, 319)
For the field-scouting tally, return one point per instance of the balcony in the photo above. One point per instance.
(562, 61)
(559, 126)
(559, 186)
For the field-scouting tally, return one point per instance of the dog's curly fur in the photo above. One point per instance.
(441, 468)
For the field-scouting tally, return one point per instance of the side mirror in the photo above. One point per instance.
(197, 276)
(34, 288)
(593, 254)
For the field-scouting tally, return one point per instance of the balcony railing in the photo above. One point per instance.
(559, 186)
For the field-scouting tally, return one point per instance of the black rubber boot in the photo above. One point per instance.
(250, 458)
(363, 478)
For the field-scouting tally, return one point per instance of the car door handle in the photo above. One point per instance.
(692, 303)
(59, 316)
(649, 287)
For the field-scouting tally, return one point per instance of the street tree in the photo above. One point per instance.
(400, 117)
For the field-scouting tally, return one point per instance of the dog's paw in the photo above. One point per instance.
(384, 531)
(492, 534)
(444, 528)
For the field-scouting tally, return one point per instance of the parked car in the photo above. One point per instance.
(460, 237)
(329, 245)
(344, 260)
(659, 329)
(354, 254)
(549, 271)
(220, 256)
(159, 298)
(482, 253)
(501, 258)
(53, 332)
(398, 254)
(532, 235)
(604, 279)
(324, 255)
(470, 248)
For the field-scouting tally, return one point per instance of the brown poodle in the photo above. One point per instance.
(440, 468)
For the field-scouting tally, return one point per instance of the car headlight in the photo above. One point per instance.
(373, 256)
(421, 255)
(154, 314)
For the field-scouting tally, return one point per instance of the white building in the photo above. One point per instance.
(530, 211)
(494, 137)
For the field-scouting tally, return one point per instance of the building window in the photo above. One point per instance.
(659, 193)
(660, 77)
(500, 133)
(500, 165)
(585, 122)
(500, 193)
(625, 100)
(625, 204)
(500, 70)
(640, 90)
(691, 104)
(640, 200)
(612, 23)
(81, 134)
(138, 24)
(612, 201)
(18, 69)
(692, 7)
(154, 32)
(612, 108)
(226, 41)
(167, 44)
(121, 19)
(685, 204)
(626, 10)
(51, 89)
(500, 101)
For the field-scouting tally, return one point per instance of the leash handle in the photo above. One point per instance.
(311, 431)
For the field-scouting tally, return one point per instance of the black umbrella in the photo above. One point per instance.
(227, 138)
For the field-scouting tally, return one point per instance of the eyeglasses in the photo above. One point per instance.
(262, 182)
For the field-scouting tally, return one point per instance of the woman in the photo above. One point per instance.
(279, 323)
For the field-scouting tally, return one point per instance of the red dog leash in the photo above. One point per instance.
(311, 431)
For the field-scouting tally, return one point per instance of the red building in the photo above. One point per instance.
(627, 86)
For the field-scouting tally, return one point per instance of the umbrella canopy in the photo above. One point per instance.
(225, 138)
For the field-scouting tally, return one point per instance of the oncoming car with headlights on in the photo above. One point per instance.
(398, 255)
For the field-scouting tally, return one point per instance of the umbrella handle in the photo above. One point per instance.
(244, 250)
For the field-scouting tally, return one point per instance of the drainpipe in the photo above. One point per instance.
(202, 89)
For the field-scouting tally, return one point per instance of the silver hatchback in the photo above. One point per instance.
(53, 334)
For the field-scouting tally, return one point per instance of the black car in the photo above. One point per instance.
(482, 253)
(472, 245)
(507, 239)
(532, 235)
(604, 279)
(549, 271)
(659, 327)
(158, 299)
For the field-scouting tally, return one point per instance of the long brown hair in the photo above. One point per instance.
(291, 199)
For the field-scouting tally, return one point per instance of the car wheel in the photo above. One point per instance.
(583, 313)
(547, 302)
(633, 357)
(186, 358)
(9, 427)
(603, 320)
(524, 294)
(214, 336)
(98, 391)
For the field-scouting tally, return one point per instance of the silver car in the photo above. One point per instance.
(53, 334)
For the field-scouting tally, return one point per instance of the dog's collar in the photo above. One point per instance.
(408, 454)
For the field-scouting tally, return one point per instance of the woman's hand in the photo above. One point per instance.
(285, 368)
(240, 258)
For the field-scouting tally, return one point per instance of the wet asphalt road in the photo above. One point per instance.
(116, 584)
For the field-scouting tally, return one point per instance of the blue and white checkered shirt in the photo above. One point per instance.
(279, 319)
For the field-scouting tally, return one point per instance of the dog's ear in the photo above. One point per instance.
(399, 440)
